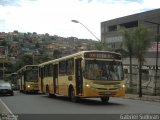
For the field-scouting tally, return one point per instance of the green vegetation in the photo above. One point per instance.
(136, 42)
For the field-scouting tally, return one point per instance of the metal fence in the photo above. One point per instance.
(150, 85)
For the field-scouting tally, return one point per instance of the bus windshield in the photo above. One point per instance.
(32, 75)
(103, 70)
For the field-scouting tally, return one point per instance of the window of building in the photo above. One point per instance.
(112, 28)
(130, 24)
(114, 39)
(111, 45)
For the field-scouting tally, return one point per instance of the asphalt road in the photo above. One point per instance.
(25, 104)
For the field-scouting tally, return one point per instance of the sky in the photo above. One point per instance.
(54, 16)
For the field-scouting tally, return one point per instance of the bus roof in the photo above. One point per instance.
(74, 55)
(24, 67)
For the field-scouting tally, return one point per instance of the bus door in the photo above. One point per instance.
(55, 78)
(78, 76)
(20, 82)
(23, 81)
(41, 78)
(24, 78)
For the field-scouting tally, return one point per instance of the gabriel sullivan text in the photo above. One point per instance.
(140, 117)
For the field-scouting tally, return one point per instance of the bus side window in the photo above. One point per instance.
(50, 70)
(41, 72)
(46, 70)
(70, 66)
(62, 68)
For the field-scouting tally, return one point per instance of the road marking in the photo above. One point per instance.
(11, 115)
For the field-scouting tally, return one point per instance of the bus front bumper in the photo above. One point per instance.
(93, 92)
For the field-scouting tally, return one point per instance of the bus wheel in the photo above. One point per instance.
(12, 93)
(47, 91)
(105, 99)
(73, 98)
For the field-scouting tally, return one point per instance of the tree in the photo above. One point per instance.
(128, 51)
(102, 46)
(56, 54)
(37, 45)
(24, 59)
(136, 42)
(142, 41)
(98, 46)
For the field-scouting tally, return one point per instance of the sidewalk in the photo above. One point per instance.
(144, 97)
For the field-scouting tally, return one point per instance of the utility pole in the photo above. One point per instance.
(76, 21)
(102, 44)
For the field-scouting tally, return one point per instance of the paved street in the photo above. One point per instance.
(41, 104)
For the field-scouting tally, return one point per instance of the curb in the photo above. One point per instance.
(144, 97)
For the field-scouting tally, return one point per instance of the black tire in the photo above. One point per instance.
(105, 99)
(73, 98)
(48, 92)
(12, 93)
(54, 96)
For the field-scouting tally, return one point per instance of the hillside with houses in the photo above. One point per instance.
(18, 49)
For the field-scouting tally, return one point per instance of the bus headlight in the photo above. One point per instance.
(87, 85)
(123, 86)
(28, 86)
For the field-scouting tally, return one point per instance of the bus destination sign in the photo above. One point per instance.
(102, 55)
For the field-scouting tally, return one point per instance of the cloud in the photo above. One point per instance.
(12, 2)
(138, 1)
(54, 16)
(9, 2)
(112, 1)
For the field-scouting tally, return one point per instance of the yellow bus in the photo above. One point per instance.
(86, 74)
(28, 79)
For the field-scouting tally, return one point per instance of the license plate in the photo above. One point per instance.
(3, 91)
(107, 93)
